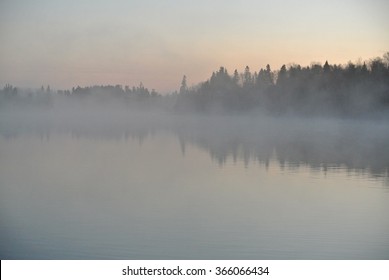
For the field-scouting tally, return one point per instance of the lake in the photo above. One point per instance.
(192, 187)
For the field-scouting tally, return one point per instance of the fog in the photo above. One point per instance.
(321, 116)
(356, 90)
(118, 173)
(322, 143)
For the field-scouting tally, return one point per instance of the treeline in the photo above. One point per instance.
(349, 90)
(354, 89)
(139, 92)
(46, 97)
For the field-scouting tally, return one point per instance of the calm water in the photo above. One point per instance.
(194, 189)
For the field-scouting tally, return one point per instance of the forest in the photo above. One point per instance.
(354, 89)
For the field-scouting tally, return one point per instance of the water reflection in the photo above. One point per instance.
(144, 187)
(321, 144)
(328, 145)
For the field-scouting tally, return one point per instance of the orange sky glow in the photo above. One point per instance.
(65, 43)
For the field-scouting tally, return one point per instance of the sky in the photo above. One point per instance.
(65, 43)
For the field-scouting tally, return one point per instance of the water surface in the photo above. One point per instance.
(194, 188)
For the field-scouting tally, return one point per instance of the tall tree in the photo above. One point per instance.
(235, 78)
(247, 77)
(184, 86)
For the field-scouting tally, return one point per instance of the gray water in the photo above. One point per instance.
(194, 188)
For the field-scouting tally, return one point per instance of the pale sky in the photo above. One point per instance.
(65, 43)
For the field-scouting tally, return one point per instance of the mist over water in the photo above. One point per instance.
(124, 136)
(288, 164)
(320, 143)
(106, 182)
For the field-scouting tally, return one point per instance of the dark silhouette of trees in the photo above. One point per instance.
(350, 90)
(247, 78)
(265, 78)
(139, 93)
(9, 91)
(354, 89)
(184, 86)
(235, 78)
